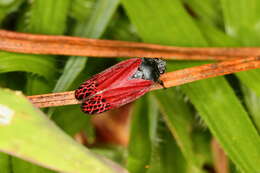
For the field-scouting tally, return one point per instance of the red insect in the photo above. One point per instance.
(119, 84)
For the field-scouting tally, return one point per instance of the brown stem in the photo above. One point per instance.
(209, 70)
(170, 79)
(220, 159)
(53, 99)
(65, 45)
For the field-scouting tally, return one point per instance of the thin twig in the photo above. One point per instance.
(170, 79)
(209, 70)
(54, 99)
(65, 45)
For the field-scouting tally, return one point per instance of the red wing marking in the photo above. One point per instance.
(113, 76)
(95, 105)
(116, 97)
(86, 89)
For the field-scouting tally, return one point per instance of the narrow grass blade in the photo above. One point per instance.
(252, 102)
(179, 120)
(166, 156)
(140, 144)
(22, 165)
(48, 17)
(208, 11)
(10, 62)
(81, 9)
(7, 7)
(5, 163)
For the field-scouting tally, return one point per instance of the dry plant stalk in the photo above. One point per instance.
(220, 160)
(65, 45)
(170, 79)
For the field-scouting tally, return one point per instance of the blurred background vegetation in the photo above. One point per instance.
(170, 131)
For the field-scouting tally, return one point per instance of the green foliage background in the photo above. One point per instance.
(166, 130)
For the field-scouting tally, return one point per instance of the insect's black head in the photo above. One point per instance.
(150, 69)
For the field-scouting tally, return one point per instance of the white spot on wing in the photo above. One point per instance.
(6, 115)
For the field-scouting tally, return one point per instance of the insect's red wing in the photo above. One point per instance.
(109, 78)
(116, 96)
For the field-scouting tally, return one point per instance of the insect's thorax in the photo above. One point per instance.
(150, 69)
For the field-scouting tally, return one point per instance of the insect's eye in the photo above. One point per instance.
(161, 67)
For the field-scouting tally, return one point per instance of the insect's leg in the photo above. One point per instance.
(161, 83)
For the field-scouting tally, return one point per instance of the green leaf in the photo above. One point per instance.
(243, 26)
(251, 79)
(45, 17)
(242, 20)
(166, 155)
(213, 98)
(139, 148)
(208, 11)
(115, 153)
(93, 28)
(217, 37)
(75, 120)
(81, 9)
(21, 166)
(7, 7)
(248, 21)
(72, 69)
(150, 17)
(120, 28)
(28, 134)
(42, 66)
(48, 17)
(232, 131)
(100, 17)
(252, 102)
(5, 163)
(179, 119)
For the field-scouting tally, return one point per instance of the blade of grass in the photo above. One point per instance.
(5, 163)
(72, 120)
(121, 29)
(115, 153)
(241, 20)
(252, 102)
(21, 166)
(46, 144)
(48, 17)
(202, 144)
(10, 62)
(166, 156)
(217, 37)
(208, 11)
(216, 93)
(7, 7)
(93, 28)
(146, 27)
(250, 78)
(45, 17)
(179, 120)
(139, 148)
(243, 26)
(81, 9)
